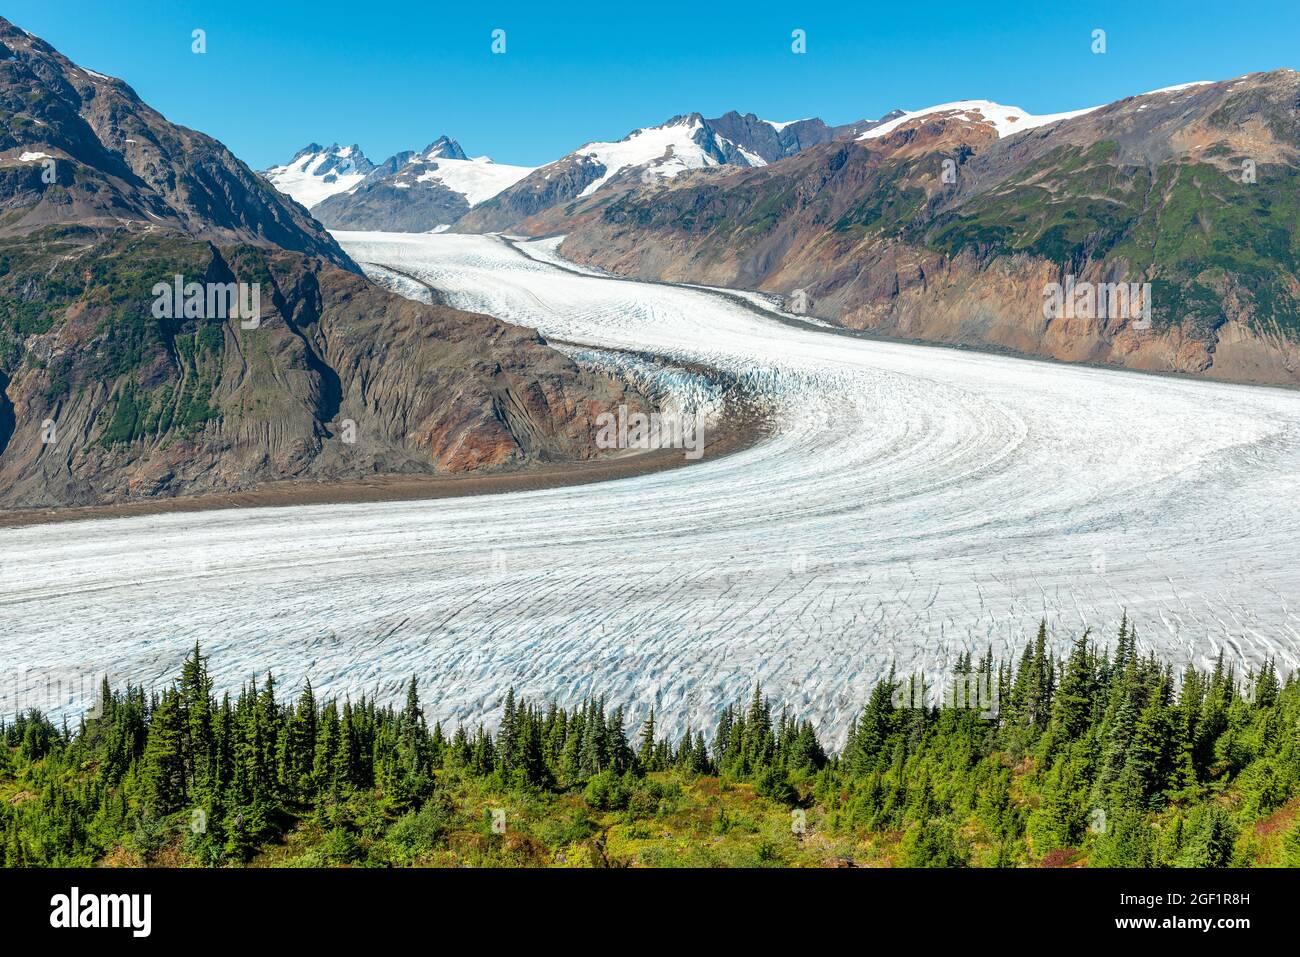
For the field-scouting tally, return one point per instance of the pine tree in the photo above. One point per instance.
(1072, 704)
(163, 772)
(645, 751)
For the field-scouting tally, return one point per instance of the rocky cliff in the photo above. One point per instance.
(105, 402)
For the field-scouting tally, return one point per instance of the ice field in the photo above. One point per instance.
(912, 503)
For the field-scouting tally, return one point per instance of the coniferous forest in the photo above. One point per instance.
(1101, 757)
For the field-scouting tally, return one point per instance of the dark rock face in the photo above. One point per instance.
(114, 161)
(340, 380)
(762, 138)
(1151, 189)
(391, 206)
(444, 147)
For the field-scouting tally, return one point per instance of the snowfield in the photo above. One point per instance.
(477, 179)
(1006, 120)
(665, 151)
(911, 504)
(306, 180)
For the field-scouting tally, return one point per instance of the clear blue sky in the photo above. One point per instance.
(393, 75)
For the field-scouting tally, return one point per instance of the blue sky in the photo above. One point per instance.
(394, 75)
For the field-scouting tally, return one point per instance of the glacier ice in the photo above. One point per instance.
(912, 503)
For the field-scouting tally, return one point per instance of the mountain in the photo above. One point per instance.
(342, 380)
(686, 142)
(775, 140)
(317, 172)
(956, 223)
(108, 395)
(440, 186)
(114, 161)
(413, 192)
(1004, 120)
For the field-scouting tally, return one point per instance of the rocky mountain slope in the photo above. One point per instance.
(687, 142)
(441, 186)
(952, 225)
(108, 395)
(340, 380)
(417, 192)
(80, 147)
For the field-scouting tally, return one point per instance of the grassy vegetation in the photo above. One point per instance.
(1195, 230)
(889, 206)
(162, 374)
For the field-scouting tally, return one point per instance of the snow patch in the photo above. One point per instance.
(665, 150)
(307, 182)
(1178, 86)
(1006, 120)
(477, 179)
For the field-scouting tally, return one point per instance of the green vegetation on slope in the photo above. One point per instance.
(1201, 235)
(1098, 759)
(160, 374)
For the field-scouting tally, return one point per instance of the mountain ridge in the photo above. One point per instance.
(943, 229)
(113, 160)
(105, 397)
(687, 141)
(417, 191)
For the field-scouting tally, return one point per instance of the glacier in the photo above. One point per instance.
(911, 503)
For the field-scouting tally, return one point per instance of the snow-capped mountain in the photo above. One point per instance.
(416, 191)
(683, 143)
(652, 154)
(476, 179)
(444, 147)
(440, 186)
(1005, 120)
(316, 173)
(690, 141)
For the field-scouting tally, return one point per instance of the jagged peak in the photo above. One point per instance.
(444, 147)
